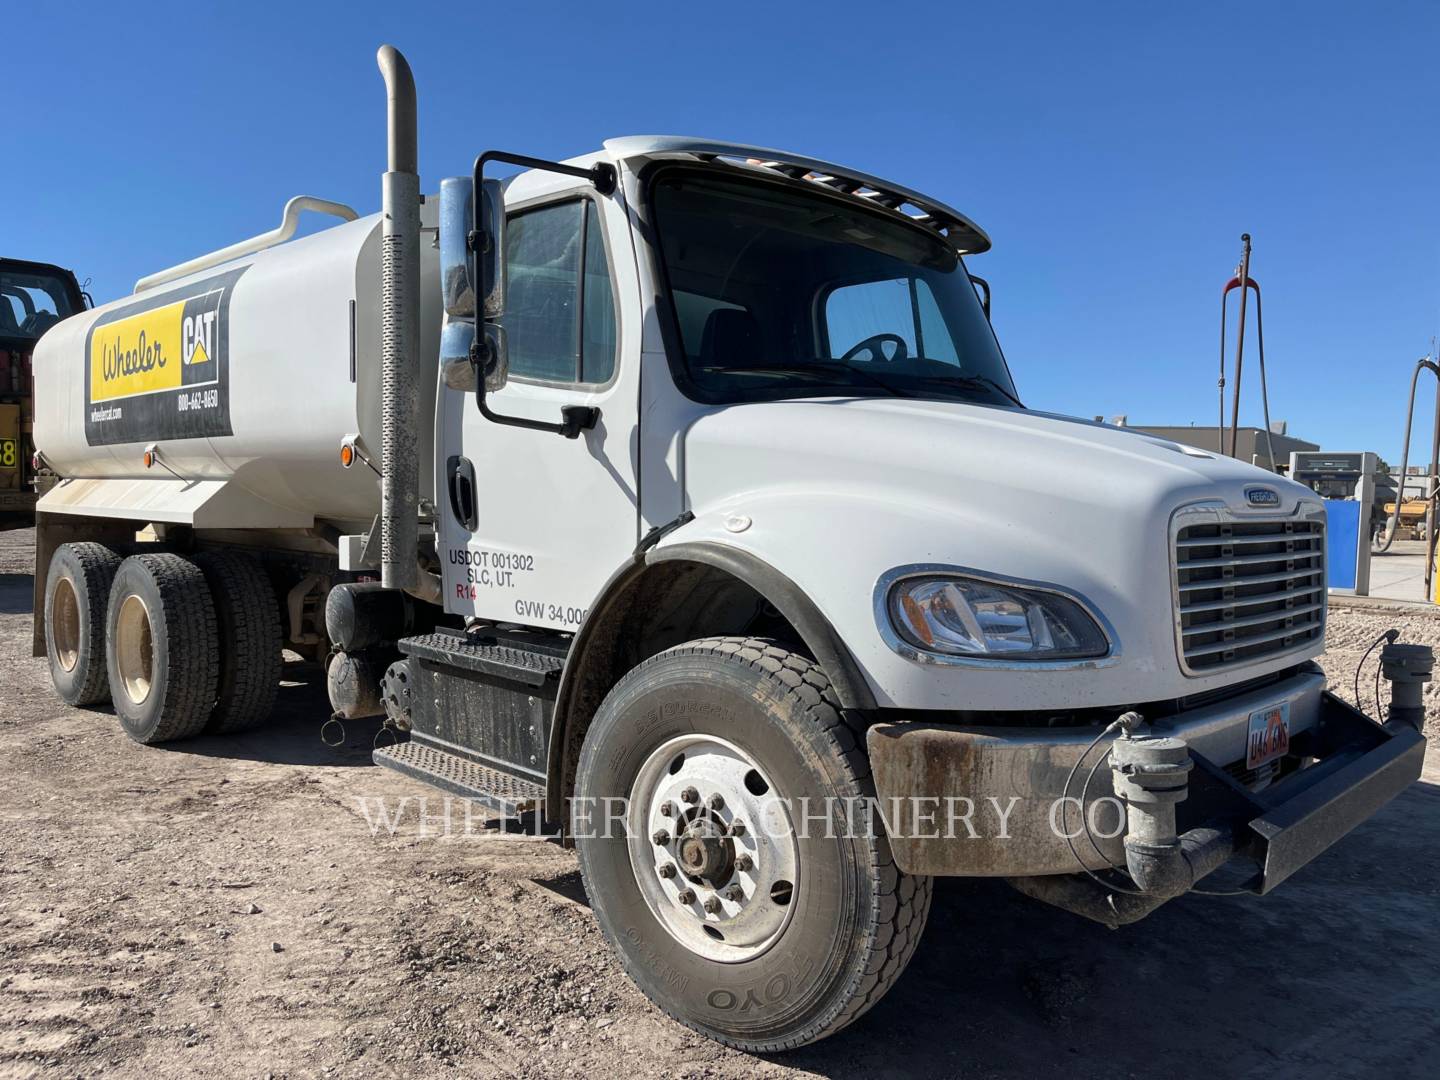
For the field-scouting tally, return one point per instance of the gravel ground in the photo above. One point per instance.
(223, 908)
(1350, 631)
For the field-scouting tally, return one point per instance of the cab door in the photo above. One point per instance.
(532, 524)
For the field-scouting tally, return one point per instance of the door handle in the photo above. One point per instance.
(463, 503)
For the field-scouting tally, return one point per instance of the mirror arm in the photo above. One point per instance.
(574, 418)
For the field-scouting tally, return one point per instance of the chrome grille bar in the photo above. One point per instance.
(1246, 590)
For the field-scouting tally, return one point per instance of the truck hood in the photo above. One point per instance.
(981, 457)
(834, 493)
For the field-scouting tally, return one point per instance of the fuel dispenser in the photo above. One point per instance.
(1346, 481)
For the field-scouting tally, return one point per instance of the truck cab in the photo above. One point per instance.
(711, 529)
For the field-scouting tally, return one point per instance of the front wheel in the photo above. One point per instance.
(748, 892)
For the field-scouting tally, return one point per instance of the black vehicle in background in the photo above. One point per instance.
(33, 297)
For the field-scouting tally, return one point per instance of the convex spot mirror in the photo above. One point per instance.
(459, 361)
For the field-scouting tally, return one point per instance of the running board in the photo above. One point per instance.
(501, 792)
(495, 655)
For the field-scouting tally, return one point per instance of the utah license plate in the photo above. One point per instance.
(1269, 735)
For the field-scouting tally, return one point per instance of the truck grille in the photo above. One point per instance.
(1247, 590)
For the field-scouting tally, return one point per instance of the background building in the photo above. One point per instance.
(1249, 442)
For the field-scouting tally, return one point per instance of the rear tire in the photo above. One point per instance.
(765, 944)
(249, 640)
(77, 595)
(161, 654)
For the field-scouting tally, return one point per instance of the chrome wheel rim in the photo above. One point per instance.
(713, 848)
(134, 649)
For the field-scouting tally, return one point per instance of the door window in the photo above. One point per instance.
(560, 306)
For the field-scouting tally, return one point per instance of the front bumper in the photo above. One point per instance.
(1025, 788)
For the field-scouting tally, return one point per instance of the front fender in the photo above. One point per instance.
(833, 545)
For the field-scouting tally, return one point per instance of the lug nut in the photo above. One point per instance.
(686, 897)
(737, 828)
(667, 870)
(712, 905)
(716, 801)
(744, 862)
(662, 838)
(690, 795)
(667, 809)
(733, 892)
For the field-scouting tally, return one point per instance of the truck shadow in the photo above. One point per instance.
(17, 593)
(1333, 974)
(293, 735)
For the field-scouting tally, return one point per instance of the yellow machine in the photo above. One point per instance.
(1412, 516)
(33, 298)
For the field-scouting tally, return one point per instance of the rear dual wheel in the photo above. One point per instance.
(77, 590)
(180, 646)
(162, 659)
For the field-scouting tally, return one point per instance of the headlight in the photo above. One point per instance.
(963, 616)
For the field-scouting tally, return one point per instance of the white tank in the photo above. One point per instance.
(251, 372)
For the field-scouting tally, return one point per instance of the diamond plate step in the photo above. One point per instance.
(460, 776)
(487, 656)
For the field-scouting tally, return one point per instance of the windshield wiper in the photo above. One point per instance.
(819, 367)
(973, 381)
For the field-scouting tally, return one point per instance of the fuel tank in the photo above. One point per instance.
(251, 373)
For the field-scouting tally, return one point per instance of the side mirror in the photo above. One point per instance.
(485, 246)
(984, 288)
(457, 367)
(472, 260)
(472, 264)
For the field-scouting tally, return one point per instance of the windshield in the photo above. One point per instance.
(784, 293)
(31, 302)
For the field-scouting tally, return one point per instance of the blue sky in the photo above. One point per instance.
(1115, 153)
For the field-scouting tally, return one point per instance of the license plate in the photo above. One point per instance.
(1269, 735)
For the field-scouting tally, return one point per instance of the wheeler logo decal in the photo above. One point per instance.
(159, 368)
(1262, 497)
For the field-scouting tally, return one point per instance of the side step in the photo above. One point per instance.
(509, 795)
(490, 655)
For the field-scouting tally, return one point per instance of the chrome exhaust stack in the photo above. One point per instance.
(399, 330)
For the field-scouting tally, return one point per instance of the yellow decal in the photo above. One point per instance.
(138, 355)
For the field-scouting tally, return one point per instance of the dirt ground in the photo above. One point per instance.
(223, 908)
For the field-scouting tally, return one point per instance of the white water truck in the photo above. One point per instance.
(680, 493)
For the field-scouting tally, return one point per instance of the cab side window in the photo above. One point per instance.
(560, 306)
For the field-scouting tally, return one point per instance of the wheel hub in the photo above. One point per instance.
(134, 648)
(712, 848)
(706, 853)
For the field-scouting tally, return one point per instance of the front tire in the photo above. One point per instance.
(771, 936)
(161, 655)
